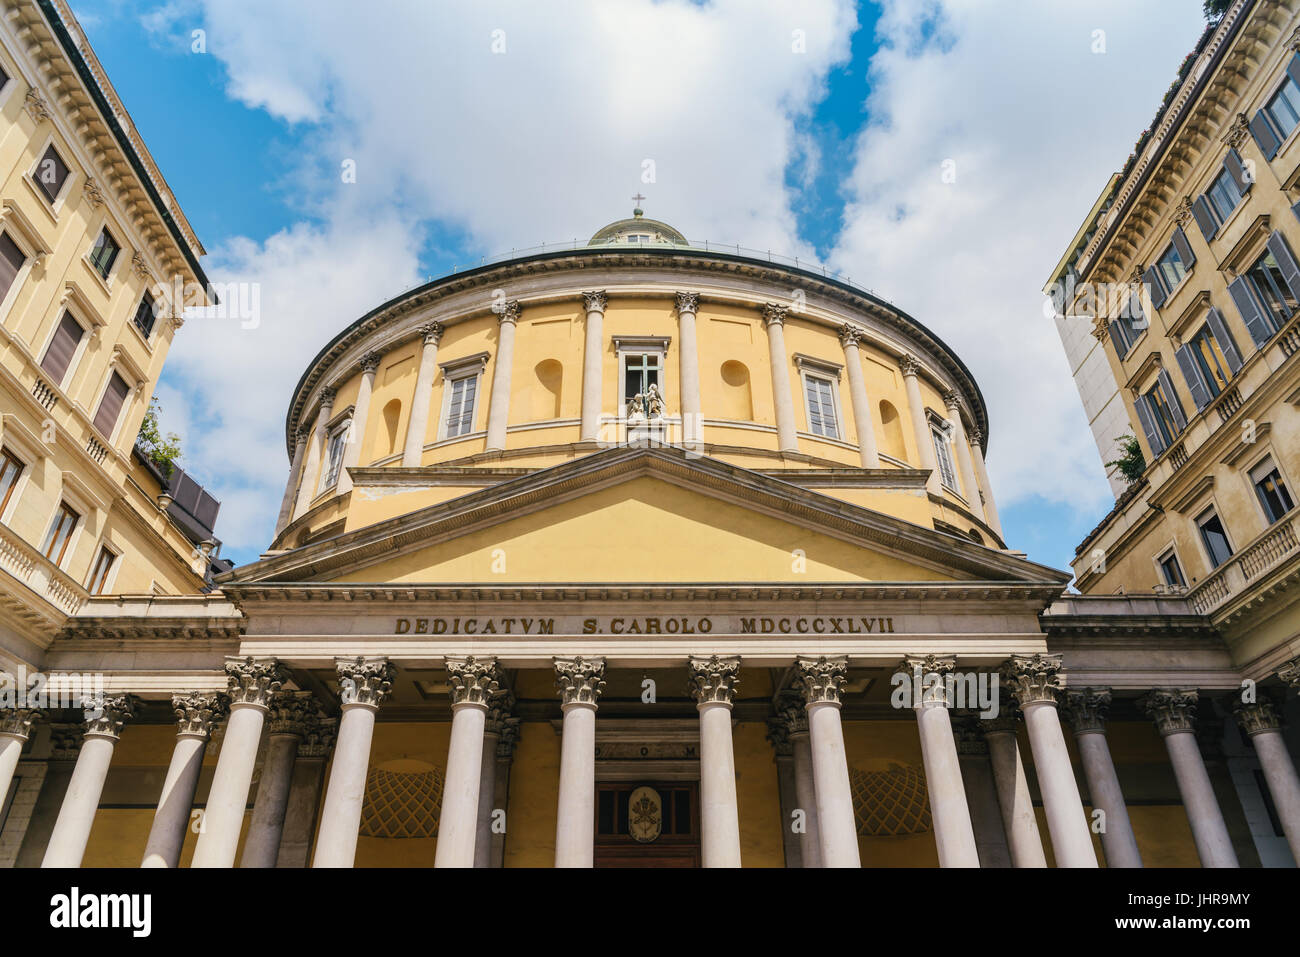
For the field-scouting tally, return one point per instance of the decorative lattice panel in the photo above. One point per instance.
(890, 802)
(401, 804)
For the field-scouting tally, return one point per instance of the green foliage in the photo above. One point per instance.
(162, 451)
(1132, 463)
(1215, 8)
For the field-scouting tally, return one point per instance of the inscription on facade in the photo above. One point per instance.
(650, 625)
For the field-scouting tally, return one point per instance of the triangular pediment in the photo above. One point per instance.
(644, 516)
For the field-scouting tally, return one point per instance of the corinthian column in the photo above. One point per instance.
(1262, 723)
(251, 683)
(315, 451)
(580, 681)
(15, 727)
(499, 405)
(969, 484)
(910, 367)
(1086, 711)
(363, 685)
(862, 419)
(688, 304)
(1174, 712)
(472, 683)
(779, 734)
(981, 792)
(953, 834)
(713, 685)
(291, 487)
(593, 357)
(1034, 682)
(821, 681)
(196, 716)
(105, 718)
(774, 319)
(293, 716)
(417, 426)
(494, 733)
(1018, 818)
(360, 415)
(977, 458)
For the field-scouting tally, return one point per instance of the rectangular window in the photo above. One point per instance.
(821, 406)
(1284, 109)
(104, 253)
(1215, 537)
(1271, 490)
(1210, 361)
(11, 470)
(1223, 195)
(145, 313)
(640, 372)
(334, 455)
(99, 574)
(1171, 570)
(1165, 423)
(1269, 284)
(943, 454)
(56, 541)
(59, 353)
(461, 406)
(51, 173)
(1171, 267)
(11, 261)
(110, 406)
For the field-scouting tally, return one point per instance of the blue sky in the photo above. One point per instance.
(833, 151)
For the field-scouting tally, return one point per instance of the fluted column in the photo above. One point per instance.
(713, 685)
(821, 681)
(1034, 682)
(977, 459)
(417, 425)
(1174, 712)
(805, 788)
(580, 682)
(688, 304)
(868, 455)
(196, 717)
(15, 727)
(593, 357)
(360, 416)
(251, 683)
(364, 683)
(105, 718)
(295, 476)
(1019, 821)
(472, 684)
(961, 445)
(497, 721)
(1262, 723)
(910, 368)
(499, 405)
(953, 834)
(315, 452)
(293, 716)
(1086, 712)
(782, 397)
(778, 733)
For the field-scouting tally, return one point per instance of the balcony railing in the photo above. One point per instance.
(38, 573)
(1275, 546)
(44, 394)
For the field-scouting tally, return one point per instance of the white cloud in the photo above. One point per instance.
(1034, 121)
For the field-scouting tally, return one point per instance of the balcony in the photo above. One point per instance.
(1275, 546)
(38, 573)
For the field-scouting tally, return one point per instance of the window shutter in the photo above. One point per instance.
(1224, 338)
(1205, 218)
(1264, 136)
(11, 260)
(1296, 210)
(1152, 278)
(111, 404)
(1184, 248)
(1293, 68)
(1171, 396)
(1237, 170)
(1192, 374)
(1117, 335)
(1155, 441)
(62, 347)
(1252, 314)
(1290, 270)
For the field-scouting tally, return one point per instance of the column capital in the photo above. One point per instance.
(254, 681)
(473, 681)
(293, 712)
(688, 302)
(300, 437)
(507, 311)
(967, 735)
(794, 717)
(1290, 673)
(509, 737)
(579, 680)
(318, 740)
(976, 438)
(713, 680)
(1005, 723)
(327, 396)
(850, 335)
(500, 710)
(774, 314)
(364, 681)
(908, 364)
(932, 693)
(431, 332)
(1257, 717)
(821, 680)
(197, 714)
(370, 362)
(106, 715)
(778, 732)
(1032, 679)
(1086, 709)
(18, 721)
(952, 400)
(596, 300)
(1172, 709)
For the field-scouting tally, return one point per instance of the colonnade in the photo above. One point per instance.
(807, 731)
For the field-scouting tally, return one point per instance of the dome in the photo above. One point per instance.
(638, 229)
